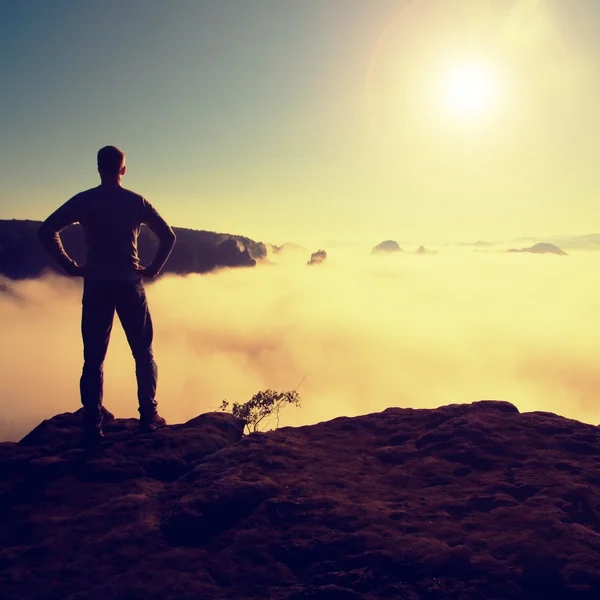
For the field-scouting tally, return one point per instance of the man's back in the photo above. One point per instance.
(111, 217)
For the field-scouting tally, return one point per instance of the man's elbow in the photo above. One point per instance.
(170, 237)
(45, 233)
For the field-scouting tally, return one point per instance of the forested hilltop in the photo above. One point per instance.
(22, 255)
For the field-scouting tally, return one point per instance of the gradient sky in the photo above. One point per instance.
(308, 119)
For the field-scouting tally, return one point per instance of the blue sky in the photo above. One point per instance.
(239, 115)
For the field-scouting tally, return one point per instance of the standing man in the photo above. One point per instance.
(111, 218)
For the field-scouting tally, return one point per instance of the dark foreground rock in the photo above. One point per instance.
(467, 502)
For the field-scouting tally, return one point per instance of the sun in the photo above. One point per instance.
(469, 90)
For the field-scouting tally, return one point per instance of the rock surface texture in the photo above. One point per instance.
(470, 502)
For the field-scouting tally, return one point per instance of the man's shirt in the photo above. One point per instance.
(111, 217)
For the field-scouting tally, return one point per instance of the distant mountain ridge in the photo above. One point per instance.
(22, 256)
(541, 248)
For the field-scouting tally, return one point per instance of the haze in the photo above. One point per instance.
(358, 333)
(423, 121)
(475, 117)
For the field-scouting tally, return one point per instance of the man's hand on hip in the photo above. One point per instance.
(147, 272)
(74, 269)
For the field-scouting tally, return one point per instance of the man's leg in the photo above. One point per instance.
(132, 308)
(98, 308)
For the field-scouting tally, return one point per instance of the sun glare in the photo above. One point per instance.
(469, 90)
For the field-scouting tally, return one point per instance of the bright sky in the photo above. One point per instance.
(294, 120)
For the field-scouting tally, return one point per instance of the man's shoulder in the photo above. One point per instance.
(84, 194)
(131, 194)
(101, 191)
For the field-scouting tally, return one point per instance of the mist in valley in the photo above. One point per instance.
(355, 334)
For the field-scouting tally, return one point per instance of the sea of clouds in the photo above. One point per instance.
(357, 334)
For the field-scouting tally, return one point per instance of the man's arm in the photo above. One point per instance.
(166, 239)
(49, 234)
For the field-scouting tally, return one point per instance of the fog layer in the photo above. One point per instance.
(357, 333)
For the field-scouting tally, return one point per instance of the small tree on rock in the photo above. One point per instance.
(263, 405)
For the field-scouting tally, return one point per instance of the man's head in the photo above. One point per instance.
(111, 163)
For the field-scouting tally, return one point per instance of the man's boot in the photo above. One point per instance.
(151, 422)
(92, 429)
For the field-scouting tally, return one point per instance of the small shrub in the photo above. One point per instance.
(266, 404)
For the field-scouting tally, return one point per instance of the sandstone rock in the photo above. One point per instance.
(472, 501)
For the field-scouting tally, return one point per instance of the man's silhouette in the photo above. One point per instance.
(111, 218)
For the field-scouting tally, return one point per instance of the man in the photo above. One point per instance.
(111, 218)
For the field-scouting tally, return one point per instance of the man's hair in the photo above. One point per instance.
(110, 160)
